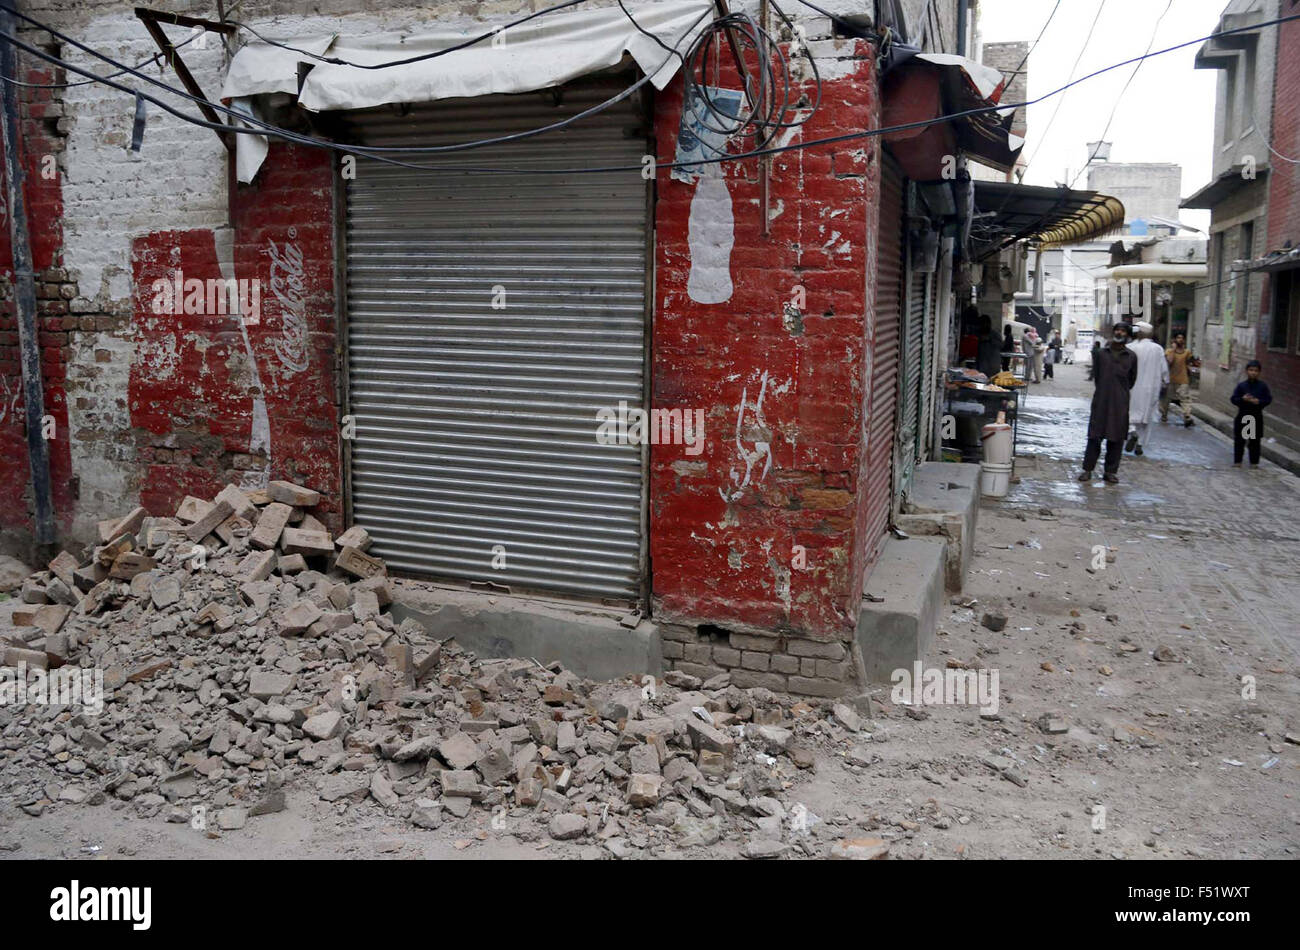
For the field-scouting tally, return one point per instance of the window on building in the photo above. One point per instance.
(1220, 276)
(1245, 251)
(1285, 316)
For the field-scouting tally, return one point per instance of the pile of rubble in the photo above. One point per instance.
(244, 652)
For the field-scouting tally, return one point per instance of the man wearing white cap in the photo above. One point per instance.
(1152, 375)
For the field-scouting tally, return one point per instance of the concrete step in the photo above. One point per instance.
(896, 631)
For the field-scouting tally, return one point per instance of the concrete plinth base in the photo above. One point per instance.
(896, 631)
(944, 502)
(589, 641)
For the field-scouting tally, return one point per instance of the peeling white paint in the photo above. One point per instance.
(259, 437)
(762, 451)
(712, 236)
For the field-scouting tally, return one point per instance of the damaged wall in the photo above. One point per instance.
(758, 534)
(769, 335)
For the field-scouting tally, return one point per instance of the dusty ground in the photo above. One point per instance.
(1183, 765)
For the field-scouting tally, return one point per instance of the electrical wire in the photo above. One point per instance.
(246, 118)
(335, 61)
(1120, 97)
(1078, 59)
(264, 128)
(1034, 45)
(87, 82)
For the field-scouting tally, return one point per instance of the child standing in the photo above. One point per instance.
(1250, 397)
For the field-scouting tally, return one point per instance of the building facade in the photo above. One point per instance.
(1225, 324)
(434, 349)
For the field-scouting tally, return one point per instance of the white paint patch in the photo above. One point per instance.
(104, 462)
(712, 236)
(259, 438)
(775, 212)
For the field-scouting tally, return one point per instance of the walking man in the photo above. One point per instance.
(1033, 361)
(1180, 360)
(1250, 397)
(1114, 371)
(1153, 373)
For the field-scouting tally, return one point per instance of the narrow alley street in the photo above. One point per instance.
(1204, 565)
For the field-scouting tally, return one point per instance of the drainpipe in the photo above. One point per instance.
(38, 450)
(943, 317)
(963, 14)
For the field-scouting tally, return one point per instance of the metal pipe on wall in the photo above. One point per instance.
(38, 451)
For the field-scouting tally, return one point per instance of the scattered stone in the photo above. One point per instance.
(993, 621)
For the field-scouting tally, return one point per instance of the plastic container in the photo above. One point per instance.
(996, 437)
(995, 479)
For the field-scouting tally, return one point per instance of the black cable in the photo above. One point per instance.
(335, 61)
(268, 129)
(1077, 60)
(86, 82)
(1120, 97)
(1034, 46)
(431, 149)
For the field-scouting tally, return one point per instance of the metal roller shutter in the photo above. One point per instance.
(912, 368)
(884, 356)
(476, 422)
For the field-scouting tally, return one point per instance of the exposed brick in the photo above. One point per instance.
(678, 632)
(833, 671)
(697, 652)
(807, 686)
(749, 679)
(745, 641)
(755, 661)
(672, 650)
(785, 664)
(811, 648)
(725, 656)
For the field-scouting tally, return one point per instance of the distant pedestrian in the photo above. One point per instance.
(1250, 397)
(1053, 356)
(1008, 346)
(1034, 350)
(1153, 373)
(988, 349)
(1115, 372)
(1180, 360)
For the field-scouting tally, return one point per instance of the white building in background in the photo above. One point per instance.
(1070, 291)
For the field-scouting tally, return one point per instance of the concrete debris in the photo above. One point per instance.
(258, 659)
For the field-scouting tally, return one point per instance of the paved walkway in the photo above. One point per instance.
(1221, 543)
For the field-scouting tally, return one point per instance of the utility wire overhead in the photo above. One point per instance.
(1077, 60)
(1120, 98)
(258, 127)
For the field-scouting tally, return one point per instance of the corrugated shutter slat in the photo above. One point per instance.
(476, 424)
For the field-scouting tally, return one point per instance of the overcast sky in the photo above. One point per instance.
(1166, 115)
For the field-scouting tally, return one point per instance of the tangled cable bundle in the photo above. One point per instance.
(767, 89)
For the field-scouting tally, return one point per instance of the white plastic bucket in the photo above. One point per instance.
(996, 437)
(995, 479)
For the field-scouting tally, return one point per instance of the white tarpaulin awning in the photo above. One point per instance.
(548, 51)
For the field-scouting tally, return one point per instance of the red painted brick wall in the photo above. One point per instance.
(1282, 370)
(724, 560)
(39, 144)
(194, 387)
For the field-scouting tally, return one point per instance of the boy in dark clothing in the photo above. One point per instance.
(1250, 397)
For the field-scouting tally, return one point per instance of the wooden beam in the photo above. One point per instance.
(150, 19)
